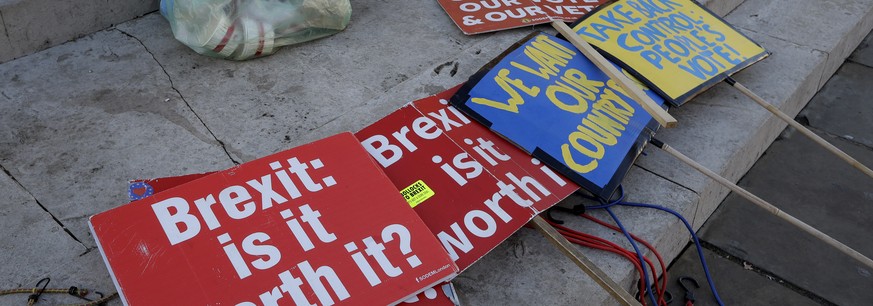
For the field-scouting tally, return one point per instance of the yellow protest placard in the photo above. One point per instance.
(677, 47)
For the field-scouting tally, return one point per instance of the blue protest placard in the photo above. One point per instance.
(547, 98)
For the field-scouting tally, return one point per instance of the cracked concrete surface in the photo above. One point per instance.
(75, 130)
(55, 219)
(173, 86)
(30, 230)
(6, 46)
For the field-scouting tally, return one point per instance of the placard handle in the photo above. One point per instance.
(634, 91)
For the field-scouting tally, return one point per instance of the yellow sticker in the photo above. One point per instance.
(416, 193)
(675, 44)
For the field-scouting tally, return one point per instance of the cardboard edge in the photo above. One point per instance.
(106, 262)
(443, 280)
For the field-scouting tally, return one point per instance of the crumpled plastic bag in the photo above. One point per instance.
(245, 29)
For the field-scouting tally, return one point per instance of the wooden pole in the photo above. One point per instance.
(765, 205)
(634, 91)
(583, 262)
(802, 129)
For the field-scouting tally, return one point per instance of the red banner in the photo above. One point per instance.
(318, 223)
(472, 188)
(481, 16)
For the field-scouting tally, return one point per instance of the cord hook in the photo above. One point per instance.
(689, 293)
(34, 297)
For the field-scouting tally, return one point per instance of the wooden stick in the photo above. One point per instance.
(583, 262)
(766, 206)
(802, 129)
(634, 91)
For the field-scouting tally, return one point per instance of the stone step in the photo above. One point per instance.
(28, 26)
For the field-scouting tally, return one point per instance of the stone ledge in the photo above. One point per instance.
(29, 26)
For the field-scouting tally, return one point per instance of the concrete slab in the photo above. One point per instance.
(721, 7)
(261, 106)
(843, 106)
(30, 18)
(434, 47)
(539, 275)
(417, 18)
(735, 285)
(86, 271)
(430, 80)
(726, 131)
(800, 178)
(6, 47)
(79, 120)
(31, 242)
(35, 25)
(864, 53)
(836, 26)
(363, 43)
(542, 276)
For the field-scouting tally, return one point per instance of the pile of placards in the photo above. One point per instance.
(394, 211)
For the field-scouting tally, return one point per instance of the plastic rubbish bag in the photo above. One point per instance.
(244, 29)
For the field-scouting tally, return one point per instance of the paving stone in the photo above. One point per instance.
(735, 284)
(261, 106)
(726, 131)
(31, 242)
(86, 271)
(864, 53)
(800, 178)
(409, 48)
(721, 7)
(29, 19)
(417, 17)
(832, 26)
(6, 47)
(35, 25)
(540, 275)
(79, 120)
(431, 80)
(843, 106)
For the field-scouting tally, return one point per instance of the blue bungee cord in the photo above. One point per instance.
(639, 256)
(620, 201)
(693, 237)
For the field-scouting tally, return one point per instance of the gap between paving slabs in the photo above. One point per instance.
(73, 159)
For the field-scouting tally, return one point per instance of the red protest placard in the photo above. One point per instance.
(318, 223)
(500, 158)
(568, 10)
(442, 294)
(471, 188)
(481, 16)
